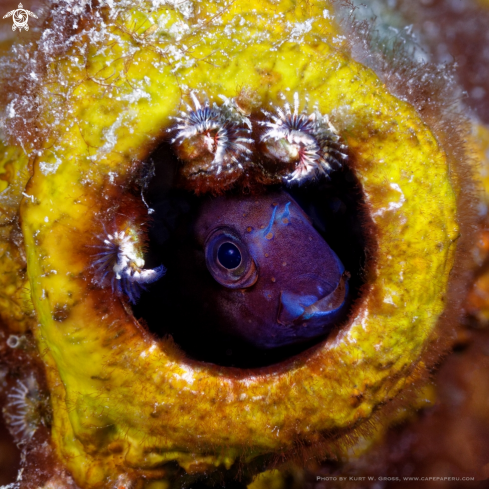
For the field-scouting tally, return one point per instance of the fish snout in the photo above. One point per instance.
(317, 304)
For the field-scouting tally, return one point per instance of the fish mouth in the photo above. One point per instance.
(309, 310)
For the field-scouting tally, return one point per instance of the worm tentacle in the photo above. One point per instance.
(120, 263)
(308, 140)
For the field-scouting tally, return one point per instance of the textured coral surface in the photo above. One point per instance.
(109, 403)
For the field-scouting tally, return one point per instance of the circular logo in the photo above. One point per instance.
(20, 18)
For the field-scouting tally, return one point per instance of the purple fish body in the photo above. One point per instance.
(274, 280)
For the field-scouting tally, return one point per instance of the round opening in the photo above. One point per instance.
(187, 303)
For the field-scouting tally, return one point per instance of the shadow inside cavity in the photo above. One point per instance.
(9, 456)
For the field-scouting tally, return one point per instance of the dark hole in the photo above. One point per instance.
(336, 210)
(9, 456)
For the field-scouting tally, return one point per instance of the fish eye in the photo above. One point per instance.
(229, 256)
(228, 259)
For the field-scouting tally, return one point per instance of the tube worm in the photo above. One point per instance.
(24, 409)
(109, 82)
(211, 141)
(308, 140)
(119, 263)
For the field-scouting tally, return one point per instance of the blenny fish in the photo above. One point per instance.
(271, 278)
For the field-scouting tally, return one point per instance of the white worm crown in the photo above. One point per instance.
(222, 132)
(120, 263)
(309, 140)
(23, 409)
